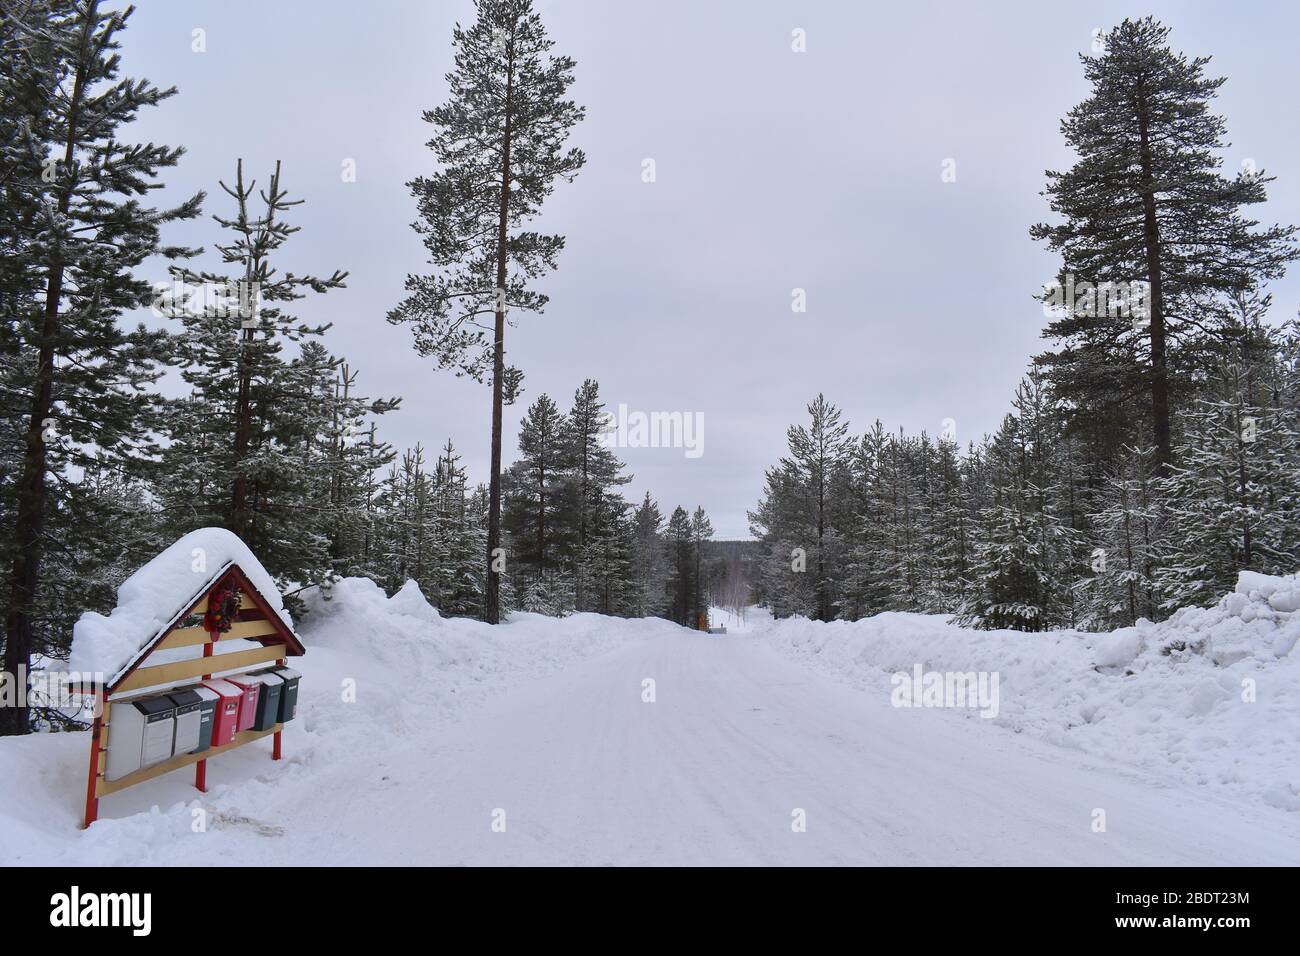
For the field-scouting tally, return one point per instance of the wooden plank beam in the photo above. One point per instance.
(105, 787)
(193, 636)
(184, 670)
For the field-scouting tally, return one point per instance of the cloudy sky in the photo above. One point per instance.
(775, 170)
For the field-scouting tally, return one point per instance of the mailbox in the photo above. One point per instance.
(268, 704)
(289, 696)
(126, 726)
(209, 701)
(252, 688)
(225, 721)
(189, 719)
(159, 730)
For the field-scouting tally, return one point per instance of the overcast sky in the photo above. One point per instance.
(775, 170)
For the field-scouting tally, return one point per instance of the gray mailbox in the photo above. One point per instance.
(210, 701)
(289, 696)
(189, 720)
(268, 702)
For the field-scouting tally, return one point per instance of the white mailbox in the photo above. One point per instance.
(159, 730)
(140, 734)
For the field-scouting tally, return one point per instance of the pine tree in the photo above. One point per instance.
(232, 353)
(536, 489)
(1230, 499)
(593, 505)
(869, 583)
(799, 517)
(81, 231)
(1127, 535)
(649, 571)
(460, 536)
(499, 147)
(944, 532)
(701, 533)
(1145, 202)
(352, 457)
(680, 538)
(607, 562)
(1021, 574)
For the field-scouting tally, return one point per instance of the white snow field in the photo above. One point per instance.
(541, 723)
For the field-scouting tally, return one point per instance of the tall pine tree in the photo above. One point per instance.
(499, 147)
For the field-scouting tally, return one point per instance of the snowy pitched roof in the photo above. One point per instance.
(155, 598)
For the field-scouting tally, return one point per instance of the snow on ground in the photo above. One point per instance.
(547, 721)
(1210, 696)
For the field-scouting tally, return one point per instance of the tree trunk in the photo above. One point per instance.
(1151, 240)
(541, 519)
(243, 426)
(492, 600)
(24, 578)
(240, 520)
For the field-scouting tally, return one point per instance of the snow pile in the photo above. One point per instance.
(1211, 695)
(150, 599)
(407, 664)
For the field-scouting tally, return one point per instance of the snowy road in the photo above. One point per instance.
(737, 739)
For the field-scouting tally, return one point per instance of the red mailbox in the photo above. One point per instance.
(252, 688)
(225, 722)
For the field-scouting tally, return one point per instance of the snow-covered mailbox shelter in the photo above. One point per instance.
(205, 608)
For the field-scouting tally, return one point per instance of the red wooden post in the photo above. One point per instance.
(92, 802)
(201, 768)
(275, 746)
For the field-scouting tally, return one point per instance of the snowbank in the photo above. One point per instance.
(1211, 695)
(435, 664)
(151, 598)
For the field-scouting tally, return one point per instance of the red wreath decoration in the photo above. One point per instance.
(223, 606)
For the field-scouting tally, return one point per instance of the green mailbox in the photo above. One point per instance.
(289, 696)
(268, 703)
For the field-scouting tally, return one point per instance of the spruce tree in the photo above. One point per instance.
(1021, 571)
(498, 142)
(1230, 499)
(593, 504)
(800, 516)
(82, 230)
(536, 490)
(1127, 532)
(701, 533)
(868, 578)
(649, 571)
(679, 537)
